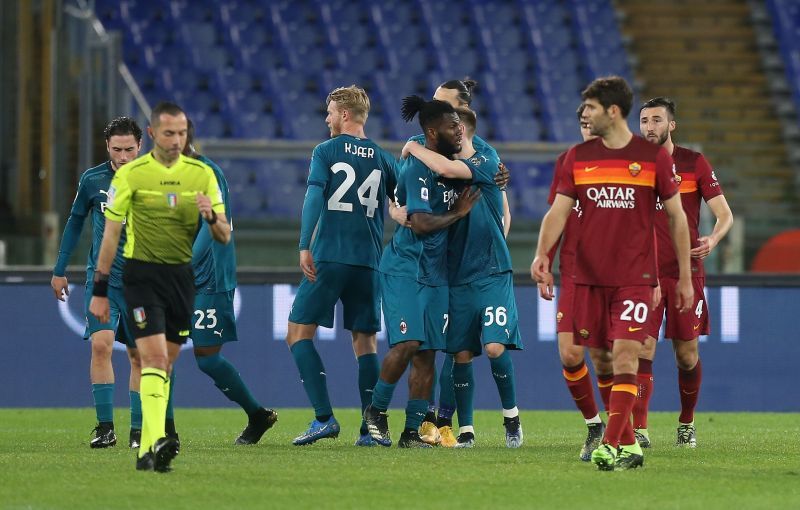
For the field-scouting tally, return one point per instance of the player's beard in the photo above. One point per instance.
(447, 148)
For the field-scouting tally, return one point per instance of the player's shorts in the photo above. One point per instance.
(358, 287)
(118, 324)
(213, 322)
(564, 315)
(680, 326)
(605, 314)
(413, 311)
(160, 299)
(483, 312)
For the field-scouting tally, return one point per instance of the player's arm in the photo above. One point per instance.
(506, 215)
(214, 216)
(552, 227)
(399, 214)
(312, 209)
(719, 206)
(119, 202)
(108, 250)
(423, 223)
(450, 168)
(72, 233)
(679, 230)
(502, 177)
(212, 209)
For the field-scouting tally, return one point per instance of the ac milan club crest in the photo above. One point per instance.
(634, 169)
(403, 327)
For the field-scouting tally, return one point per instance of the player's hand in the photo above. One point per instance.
(204, 205)
(540, 273)
(407, 149)
(60, 287)
(502, 176)
(547, 290)
(656, 297)
(466, 200)
(399, 214)
(307, 265)
(685, 295)
(707, 243)
(98, 307)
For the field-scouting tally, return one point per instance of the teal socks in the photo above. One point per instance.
(103, 395)
(447, 397)
(464, 390)
(312, 374)
(368, 372)
(136, 410)
(228, 380)
(382, 396)
(415, 413)
(503, 373)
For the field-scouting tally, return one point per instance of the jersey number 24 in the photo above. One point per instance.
(367, 192)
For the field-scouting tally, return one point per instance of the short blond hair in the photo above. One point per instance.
(353, 99)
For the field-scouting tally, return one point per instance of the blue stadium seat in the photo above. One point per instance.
(270, 63)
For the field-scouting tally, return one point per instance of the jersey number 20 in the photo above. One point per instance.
(367, 192)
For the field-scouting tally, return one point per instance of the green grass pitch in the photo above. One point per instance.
(742, 461)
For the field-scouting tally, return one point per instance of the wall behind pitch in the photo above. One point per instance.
(748, 360)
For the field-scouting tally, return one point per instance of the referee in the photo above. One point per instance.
(158, 197)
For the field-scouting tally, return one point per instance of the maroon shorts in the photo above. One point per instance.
(605, 314)
(680, 326)
(564, 315)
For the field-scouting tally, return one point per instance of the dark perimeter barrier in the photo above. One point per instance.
(749, 359)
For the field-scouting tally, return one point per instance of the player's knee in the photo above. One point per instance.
(365, 343)
(463, 357)
(571, 356)
(158, 361)
(495, 350)
(686, 360)
(102, 350)
(296, 332)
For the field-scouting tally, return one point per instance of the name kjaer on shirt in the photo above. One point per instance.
(357, 150)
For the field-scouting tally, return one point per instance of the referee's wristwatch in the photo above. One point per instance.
(213, 217)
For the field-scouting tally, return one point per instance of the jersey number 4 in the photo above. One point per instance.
(367, 192)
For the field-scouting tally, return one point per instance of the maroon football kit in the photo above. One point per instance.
(615, 261)
(696, 182)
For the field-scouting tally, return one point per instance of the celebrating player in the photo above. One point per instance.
(349, 177)
(214, 323)
(159, 195)
(123, 141)
(482, 309)
(414, 273)
(438, 430)
(617, 178)
(696, 181)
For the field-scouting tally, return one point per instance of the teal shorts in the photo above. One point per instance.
(213, 322)
(116, 304)
(356, 286)
(483, 312)
(413, 311)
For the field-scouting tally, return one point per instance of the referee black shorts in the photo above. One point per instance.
(160, 299)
